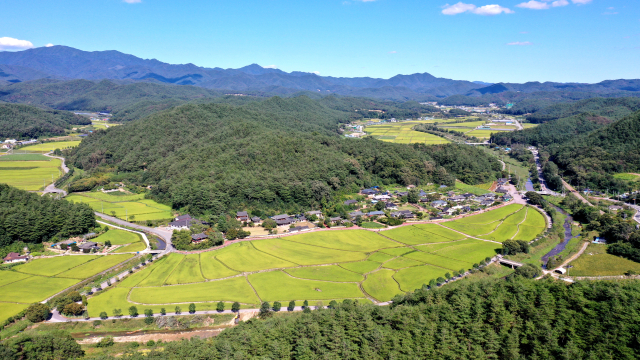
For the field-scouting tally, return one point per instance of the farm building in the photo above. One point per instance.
(351, 202)
(196, 238)
(438, 203)
(298, 229)
(368, 192)
(242, 216)
(376, 213)
(316, 213)
(403, 214)
(13, 257)
(256, 220)
(390, 206)
(88, 246)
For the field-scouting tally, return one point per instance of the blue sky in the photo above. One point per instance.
(485, 40)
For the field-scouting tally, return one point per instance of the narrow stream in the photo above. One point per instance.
(567, 236)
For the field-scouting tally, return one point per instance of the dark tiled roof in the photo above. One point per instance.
(242, 214)
(198, 237)
(184, 217)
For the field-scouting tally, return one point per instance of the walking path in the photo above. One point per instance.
(165, 235)
(52, 187)
(144, 236)
(576, 193)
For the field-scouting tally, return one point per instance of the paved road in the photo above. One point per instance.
(165, 235)
(52, 187)
(576, 193)
(543, 182)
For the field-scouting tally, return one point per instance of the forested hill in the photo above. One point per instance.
(31, 218)
(25, 122)
(614, 148)
(612, 108)
(491, 319)
(553, 132)
(283, 154)
(563, 122)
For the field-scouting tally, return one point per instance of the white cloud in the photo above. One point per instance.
(132, 1)
(316, 72)
(520, 43)
(392, 52)
(581, 2)
(524, 32)
(535, 5)
(49, 45)
(492, 10)
(461, 7)
(559, 3)
(270, 67)
(7, 43)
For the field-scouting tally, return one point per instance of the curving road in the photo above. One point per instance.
(165, 235)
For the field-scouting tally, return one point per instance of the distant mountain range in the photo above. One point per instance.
(66, 63)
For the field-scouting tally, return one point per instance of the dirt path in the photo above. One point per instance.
(575, 256)
(576, 193)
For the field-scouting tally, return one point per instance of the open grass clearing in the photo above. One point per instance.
(304, 254)
(30, 175)
(349, 240)
(118, 237)
(595, 261)
(413, 278)
(96, 266)
(188, 271)
(243, 256)
(214, 269)
(55, 265)
(278, 286)
(34, 289)
(361, 267)
(327, 273)
(473, 189)
(381, 285)
(234, 289)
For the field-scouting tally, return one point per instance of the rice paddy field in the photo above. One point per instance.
(124, 205)
(39, 279)
(403, 134)
(318, 266)
(596, 262)
(28, 173)
(49, 146)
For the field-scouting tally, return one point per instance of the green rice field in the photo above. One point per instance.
(319, 266)
(24, 157)
(39, 279)
(29, 175)
(124, 206)
(402, 133)
(50, 146)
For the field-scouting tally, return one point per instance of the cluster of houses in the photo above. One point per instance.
(11, 143)
(184, 222)
(84, 245)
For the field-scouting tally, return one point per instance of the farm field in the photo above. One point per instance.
(479, 189)
(403, 134)
(124, 206)
(326, 265)
(372, 225)
(50, 146)
(29, 175)
(596, 262)
(627, 176)
(118, 237)
(24, 157)
(41, 278)
(528, 126)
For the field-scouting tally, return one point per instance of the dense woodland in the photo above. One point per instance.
(515, 318)
(28, 122)
(213, 157)
(32, 219)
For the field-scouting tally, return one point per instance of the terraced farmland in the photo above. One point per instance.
(402, 133)
(318, 266)
(29, 175)
(39, 279)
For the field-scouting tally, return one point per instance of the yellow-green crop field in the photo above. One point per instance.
(50, 146)
(124, 206)
(403, 134)
(39, 279)
(317, 266)
(30, 175)
(596, 262)
(529, 126)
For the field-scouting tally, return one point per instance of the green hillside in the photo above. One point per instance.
(26, 122)
(281, 154)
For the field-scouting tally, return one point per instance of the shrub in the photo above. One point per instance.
(235, 307)
(292, 305)
(163, 311)
(133, 311)
(151, 343)
(192, 308)
(277, 306)
(220, 307)
(37, 312)
(73, 309)
(105, 342)
(103, 315)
